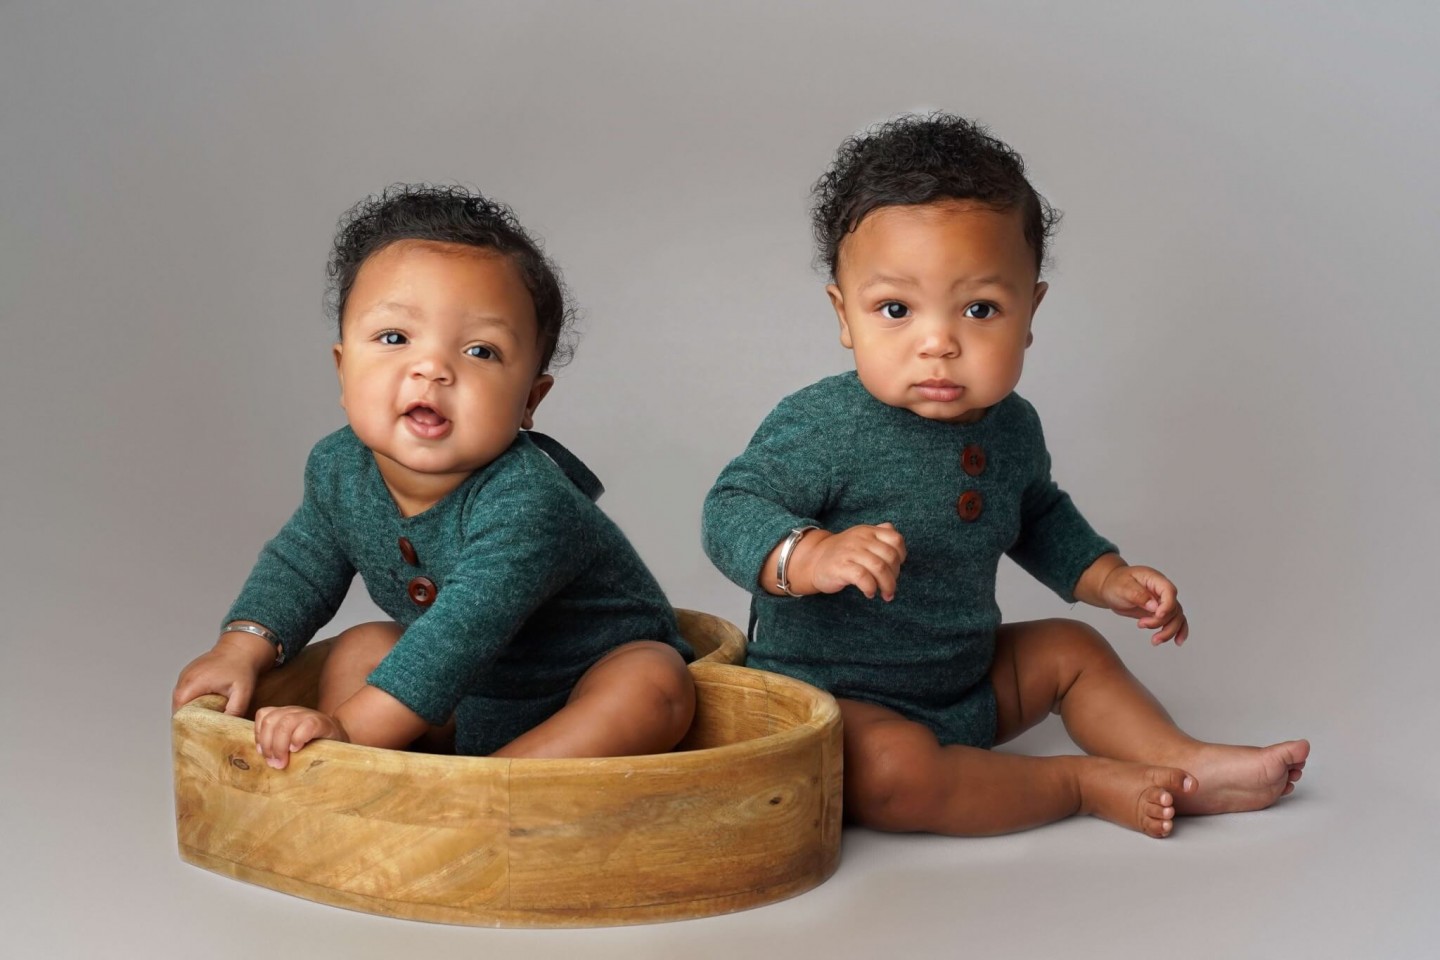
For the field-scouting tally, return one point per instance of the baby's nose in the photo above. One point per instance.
(940, 340)
(431, 367)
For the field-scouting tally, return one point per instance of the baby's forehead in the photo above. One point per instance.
(414, 277)
(937, 211)
(961, 229)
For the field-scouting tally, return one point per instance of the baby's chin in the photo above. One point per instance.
(957, 412)
(431, 463)
(966, 415)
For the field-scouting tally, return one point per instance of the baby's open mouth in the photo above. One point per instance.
(425, 416)
(426, 422)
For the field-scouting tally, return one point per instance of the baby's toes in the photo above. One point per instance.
(1156, 826)
(1175, 780)
(1157, 818)
(1161, 806)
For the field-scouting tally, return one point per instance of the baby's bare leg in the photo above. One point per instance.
(635, 700)
(357, 652)
(898, 777)
(1066, 666)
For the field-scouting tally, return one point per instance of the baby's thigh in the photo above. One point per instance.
(363, 646)
(1035, 664)
(354, 654)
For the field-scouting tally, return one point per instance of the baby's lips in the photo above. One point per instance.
(426, 415)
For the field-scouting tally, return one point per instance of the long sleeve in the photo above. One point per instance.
(782, 480)
(303, 572)
(1056, 544)
(526, 545)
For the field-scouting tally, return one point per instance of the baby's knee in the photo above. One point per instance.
(364, 645)
(892, 781)
(670, 686)
(1082, 643)
(656, 682)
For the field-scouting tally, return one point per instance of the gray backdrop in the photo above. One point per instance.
(1235, 367)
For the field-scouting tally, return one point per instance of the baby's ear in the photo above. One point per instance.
(538, 390)
(1041, 289)
(837, 301)
(339, 372)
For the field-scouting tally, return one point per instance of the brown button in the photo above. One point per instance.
(422, 591)
(407, 550)
(972, 460)
(970, 505)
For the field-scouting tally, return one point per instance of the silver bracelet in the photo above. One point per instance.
(261, 632)
(783, 561)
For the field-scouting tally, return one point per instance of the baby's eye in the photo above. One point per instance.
(981, 311)
(894, 310)
(392, 338)
(480, 352)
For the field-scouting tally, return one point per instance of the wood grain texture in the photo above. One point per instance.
(746, 812)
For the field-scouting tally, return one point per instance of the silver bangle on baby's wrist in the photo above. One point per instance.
(782, 580)
(258, 631)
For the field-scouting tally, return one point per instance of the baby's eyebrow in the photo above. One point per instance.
(883, 278)
(492, 320)
(391, 306)
(990, 280)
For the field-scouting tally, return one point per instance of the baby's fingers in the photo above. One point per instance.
(185, 691)
(1176, 628)
(862, 578)
(887, 534)
(265, 724)
(885, 577)
(883, 566)
(1131, 599)
(888, 556)
(274, 731)
(1164, 604)
(238, 698)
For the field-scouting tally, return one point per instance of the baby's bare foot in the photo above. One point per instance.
(1233, 779)
(1133, 795)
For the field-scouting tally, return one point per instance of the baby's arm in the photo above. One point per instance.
(782, 482)
(1059, 548)
(866, 557)
(295, 587)
(527, 543)
(372, 717)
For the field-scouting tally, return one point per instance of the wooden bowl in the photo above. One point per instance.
(745, 812)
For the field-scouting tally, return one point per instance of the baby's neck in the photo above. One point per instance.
(413, 492)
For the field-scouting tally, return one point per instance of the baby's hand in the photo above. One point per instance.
(1148, 596)
(280, 731)
(230, 669)
(865, 557)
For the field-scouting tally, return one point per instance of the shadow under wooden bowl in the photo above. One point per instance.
(745, 812)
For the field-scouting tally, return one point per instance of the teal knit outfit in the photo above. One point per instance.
(834, 456)
(533, 583)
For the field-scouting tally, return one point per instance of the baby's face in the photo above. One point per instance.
(438, 361)
(936, 302)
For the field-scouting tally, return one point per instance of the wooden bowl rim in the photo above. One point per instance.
(734, 642)
(207, 711)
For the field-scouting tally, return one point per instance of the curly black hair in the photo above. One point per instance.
(453, 214)
(922, 158)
